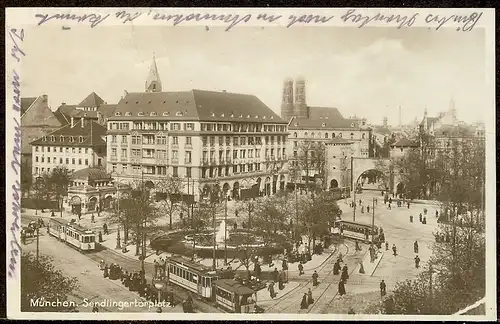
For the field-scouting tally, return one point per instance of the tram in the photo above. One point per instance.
(234, 297)
(192, 276)
(356, 231)
(73, 234)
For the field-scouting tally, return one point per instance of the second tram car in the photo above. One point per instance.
(234, 297)
(75, 235)
(356, 231)
(192, 276)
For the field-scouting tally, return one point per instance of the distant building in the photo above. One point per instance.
(213, 138)
(75, 146)
(37, 120)
(402, 146)
(338, 163)
(320, 124)
(92, 107)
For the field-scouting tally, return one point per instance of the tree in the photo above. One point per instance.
(58, 182)
(167, 190)
(41, 281)
(247, 207)
(311, 160)
(26, 182)
(271, 216)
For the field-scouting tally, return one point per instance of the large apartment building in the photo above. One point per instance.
(206, 138)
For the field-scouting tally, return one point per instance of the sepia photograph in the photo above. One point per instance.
(313, 170)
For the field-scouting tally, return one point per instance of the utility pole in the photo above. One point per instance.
(373, 218)
(212, 203)
(37, 244)
(354, 204)
(225, 231)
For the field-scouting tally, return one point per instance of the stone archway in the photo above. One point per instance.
(106, 204)
(92, 204)
(76, 205)
(334, 184)
(400, 188)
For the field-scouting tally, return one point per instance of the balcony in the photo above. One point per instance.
(175, 161)
(113, 158)
(123, 159)
(188, 161)
(204, 162)
(161, 161)
(135, 160)
(114, 144)
(213, 162)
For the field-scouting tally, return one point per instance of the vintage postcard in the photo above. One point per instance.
(255, 163)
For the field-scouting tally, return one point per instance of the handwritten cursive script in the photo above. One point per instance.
(468, 21)
(363, 20)
(93, 19)
(178, 18)
(15, 36)
(15, 248)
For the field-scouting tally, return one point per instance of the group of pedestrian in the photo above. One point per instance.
(133, 281)
(307, 300)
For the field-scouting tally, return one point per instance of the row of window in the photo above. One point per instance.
(62, 138)
(61, 160)
(213, 172)
(241, 127)
(184, 274)
(54, 149)
(150, 169)
(313, 134)
(251, 140)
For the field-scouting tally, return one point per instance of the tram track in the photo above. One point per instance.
(293, 302)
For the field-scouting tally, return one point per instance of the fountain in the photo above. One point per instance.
(220, 236)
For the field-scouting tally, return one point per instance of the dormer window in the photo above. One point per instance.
(140, 113)
(152, 113)
(256, 116)
(272, 117)
(306, 133)
(179, 113)
(128, 113)
(44, 138)
(352, 124)
(295, 134)
(324, 124)
(71, 139)
(248, 116)
(118, 113)
(80, 139)
(166, 113)
(53, 138)
(61, 138)
(212, 115)
(222, 115)
(263, 117)
(241, 115)
(232, 115)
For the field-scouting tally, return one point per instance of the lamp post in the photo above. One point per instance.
(159, 286)
(373, 218)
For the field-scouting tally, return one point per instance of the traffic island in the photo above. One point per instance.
(365, 267)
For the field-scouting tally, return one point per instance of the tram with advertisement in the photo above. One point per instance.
(228, 294)
(356, 231)
(79, 237)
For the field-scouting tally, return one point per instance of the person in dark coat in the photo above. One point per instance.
(336, 268)
(341, 287)
(345, 274)
(257, 269)
(310, 298)
(303, 303)
(424, 221)
(281, 286)
(408, 205)
(315, 278)
(394, 250)
(284, 265)
(271, 290)
(105, 229)
(301, 269)
(100, 237)
(106, 271)
(383, 288)
(415, 247)
(411, 218)
(420, 217)
(275, 275)
(417, 261)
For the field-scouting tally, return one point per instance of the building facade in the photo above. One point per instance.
(78, 145)
(338, 155)
(92, 107)
(320, 124)
(206, 138)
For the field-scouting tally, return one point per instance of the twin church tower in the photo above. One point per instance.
(294, 99)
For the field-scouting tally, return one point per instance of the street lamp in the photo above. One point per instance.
(159, 285)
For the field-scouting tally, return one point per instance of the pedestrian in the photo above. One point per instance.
(341, 287)
(367, 209)
(257, 269)
(336, 268)
(303, 303)
(281, 286)
(310, 299)
(420, 217)
(382, 288)
(284, 265)
(411, 218)
(340, 258)
(100, 237)
(345, 274)
(301, 269)
(95, 309)
(157, 266)
(415, 247)
(437, 214)
(394, 250)
(92, 218)
(106, 272)
(408, 205)
(424, 221)
(275, 275)
(417, 261)
(387, 245)
(105, 229)
(357, 246)
(271, 290)
(315, 278)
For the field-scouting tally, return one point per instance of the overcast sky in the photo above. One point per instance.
(369, 72)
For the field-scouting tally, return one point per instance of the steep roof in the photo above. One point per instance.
(404, 142)
(107, 110)
(195, 105)
(65, 112)
(321, 117)
(91, 134)
(26, 103)
(90, 174)
(430, 121)
(92, 100)
(455, 131)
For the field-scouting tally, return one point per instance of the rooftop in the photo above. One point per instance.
(89, 135)
(26, 103)
(195, 105)
(232, 285)
(92, 100)
(404, 142)
(91, 174)
(325, 118)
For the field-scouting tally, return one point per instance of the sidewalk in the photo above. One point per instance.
(368, 266)
(263, 294)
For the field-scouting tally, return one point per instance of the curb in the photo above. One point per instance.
(376, 265)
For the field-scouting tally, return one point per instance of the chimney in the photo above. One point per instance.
(63, 104)
(125, 92)
(45, 98)
(83, 121)
(72, 122)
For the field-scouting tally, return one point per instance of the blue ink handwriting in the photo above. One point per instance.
(16, 151)
(14, 34)
(270, 18)
(15, 248)
(126, 16)
(93, 19)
